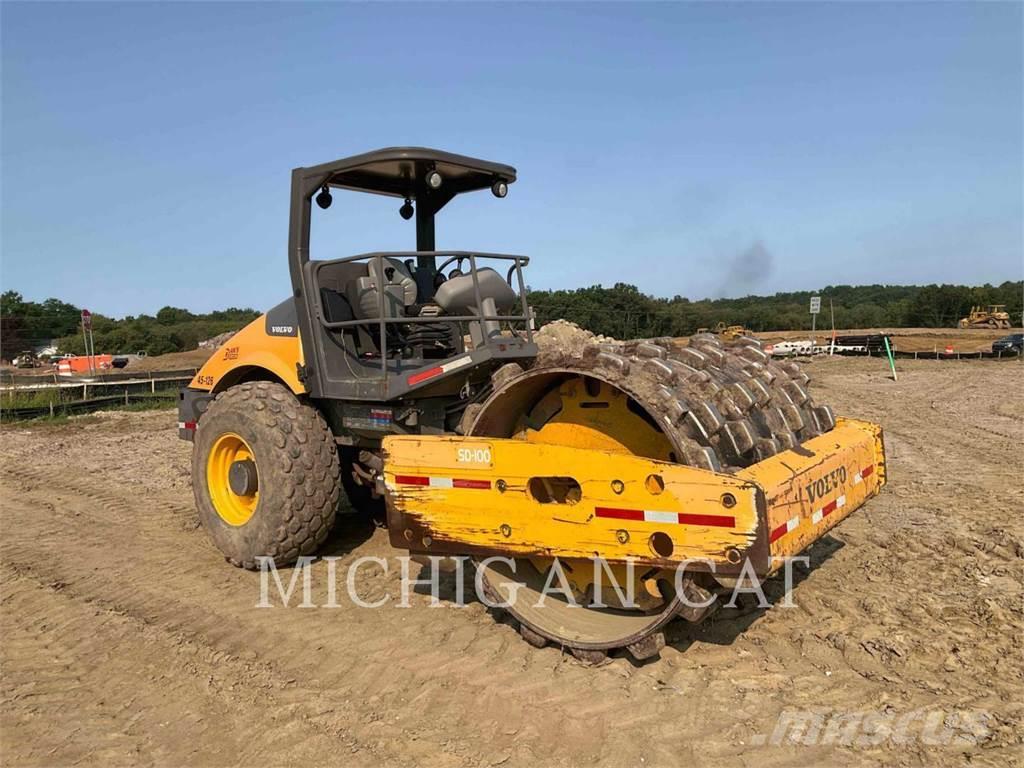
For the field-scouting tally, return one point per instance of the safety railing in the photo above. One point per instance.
(382, 321)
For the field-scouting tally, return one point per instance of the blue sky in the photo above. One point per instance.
(146, 148)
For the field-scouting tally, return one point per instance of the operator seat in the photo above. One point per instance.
(390, 278)
(393, 280)
(457, 296)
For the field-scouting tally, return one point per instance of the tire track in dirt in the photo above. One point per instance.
(67, 657)
(152, 589)
(113, 605)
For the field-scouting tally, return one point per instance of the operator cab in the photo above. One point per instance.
(370, 322)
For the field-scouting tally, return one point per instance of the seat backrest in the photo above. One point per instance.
(337, 276)
(393, 280)
(395, 274)
(336, 307)
(457, 297)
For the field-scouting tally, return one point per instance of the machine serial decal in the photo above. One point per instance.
(480, 456)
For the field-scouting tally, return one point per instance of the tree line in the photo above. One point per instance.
(28, 324)
(622, 311)
(625, 312)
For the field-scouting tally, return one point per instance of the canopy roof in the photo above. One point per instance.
(400, 172)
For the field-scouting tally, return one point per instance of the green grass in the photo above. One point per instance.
(153, 404)
(43, 398)
(58, 420)
(32, 398)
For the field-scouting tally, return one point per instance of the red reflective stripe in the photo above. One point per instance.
(779, 532)
(719, 521)
(416, 378)
(411, 480)
(481, 485)
(867, 471)
(829, 508)
(190, 425)
(619, 514)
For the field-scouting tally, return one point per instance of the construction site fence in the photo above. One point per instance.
(939, 355)
(53, 379)
(70, 407)
(67, 398)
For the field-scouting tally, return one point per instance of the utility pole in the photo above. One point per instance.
(86, 333)
(92, 345)
(85, 338)
(832, 312)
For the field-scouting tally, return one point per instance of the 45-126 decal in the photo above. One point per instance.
(826, 484)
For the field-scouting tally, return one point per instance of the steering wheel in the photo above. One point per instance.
(449, 260)
(511, 271)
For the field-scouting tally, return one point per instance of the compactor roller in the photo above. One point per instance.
(601, 487)
(718, 430)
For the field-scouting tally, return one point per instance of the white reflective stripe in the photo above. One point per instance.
(181, 425)
(792, 523)
(462, 362)
(857, 479)
(654, 516)
(441, 482)
(816, 517)
(841, 502)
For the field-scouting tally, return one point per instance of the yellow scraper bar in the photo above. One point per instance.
(807, 495)
(481, 496)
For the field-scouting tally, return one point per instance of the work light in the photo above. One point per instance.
(324, 199)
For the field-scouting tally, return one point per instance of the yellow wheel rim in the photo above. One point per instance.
(615, 428)
(233, 508)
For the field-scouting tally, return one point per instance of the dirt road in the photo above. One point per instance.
(128, 640)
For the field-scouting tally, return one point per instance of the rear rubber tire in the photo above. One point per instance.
(298, 473)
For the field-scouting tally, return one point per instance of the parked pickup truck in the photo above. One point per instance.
(1012, 343)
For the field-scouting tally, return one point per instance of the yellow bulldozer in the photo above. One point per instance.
(415, 383)
(992, 316)
(728, 332)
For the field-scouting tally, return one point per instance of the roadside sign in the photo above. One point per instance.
(815, 309)
(87, 319)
